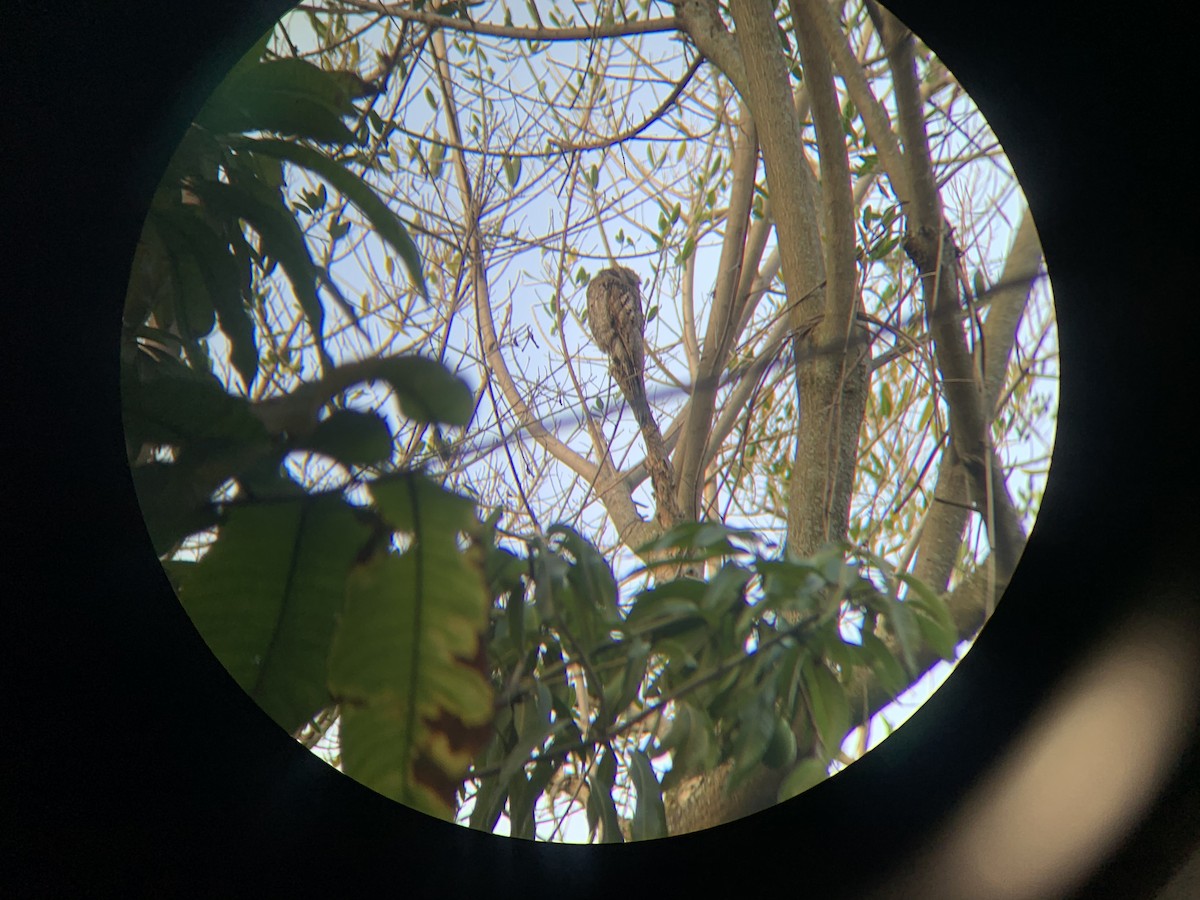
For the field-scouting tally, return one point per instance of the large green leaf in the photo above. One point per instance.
(410, 671)
(885, 665)
(692, 742)
(414, 503)
(174, 504)
(266, 596)
(933, 617)
(383, 220)
(622, 689)
(704, 539)
(756, 725)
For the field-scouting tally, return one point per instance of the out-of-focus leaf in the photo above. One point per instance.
(654, 612)
(173, 504)
(413, 503)
(756, 725)
(649, 815)
(590, 572)
(427, 390)
(623, 690)
(724, 590)
(807, 773)
(692, 742)
(352, 437)
(828, 705)
(781, 751)
(904, 627)
(168, 403)
(885, 666)
(707, 539)
(266, 596)
(282, 238)
(601, 810)
(933, 617)
(287, 96)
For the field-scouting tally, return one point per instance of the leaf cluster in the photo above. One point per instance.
(751, 666)
(197, 266)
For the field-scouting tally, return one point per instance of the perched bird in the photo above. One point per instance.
(614, 305)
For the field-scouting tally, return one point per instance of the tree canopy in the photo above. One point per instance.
(410, 500)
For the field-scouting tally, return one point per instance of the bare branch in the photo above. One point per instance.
(524, 33)
(722, 318)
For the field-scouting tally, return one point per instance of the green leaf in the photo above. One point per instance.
(489, 803)
(689, 247)
(590, 573)
(904, 626)
(281, 235)
(410, 672)
(512, 170)
(620, 692)
(427, 390)
(601, 810)
(649, 815)
(724, 590)
(933, 617)
(789, 585)
(437, 158)
(266, 596)
(691, 740)
(287, 96)
(807, 773)
(885, 666)
(338, 230)
(781, 751)
(756, 726)
(174, 503)
(169, 403)
(655, 611)
(533, 730)
(708, 539)
(352, 437)
(828, 705)
(412, 503)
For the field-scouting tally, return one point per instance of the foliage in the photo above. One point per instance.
(195, 267)
(299, 595)
(757, 648)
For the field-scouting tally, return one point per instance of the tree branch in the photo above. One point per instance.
(818, 15)
(928, 244)
(524, 33)
(722, 318)
(701, 20)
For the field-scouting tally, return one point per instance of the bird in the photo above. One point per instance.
(614, 306)
(618, 325)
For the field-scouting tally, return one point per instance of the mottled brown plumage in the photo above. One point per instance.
(614, 303)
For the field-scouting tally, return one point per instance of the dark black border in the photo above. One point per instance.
(141, 769)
